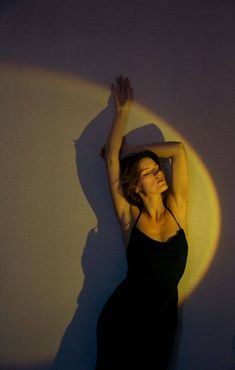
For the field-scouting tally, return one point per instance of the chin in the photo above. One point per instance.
(164, 188)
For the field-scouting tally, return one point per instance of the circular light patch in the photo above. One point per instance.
(45, 215)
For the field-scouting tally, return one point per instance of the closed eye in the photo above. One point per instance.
(155, 169)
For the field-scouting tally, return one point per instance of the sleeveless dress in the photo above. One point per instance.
(136, 327)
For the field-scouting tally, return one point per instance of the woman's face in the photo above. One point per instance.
(151, 177)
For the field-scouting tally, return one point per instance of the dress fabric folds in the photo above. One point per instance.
(136, 327)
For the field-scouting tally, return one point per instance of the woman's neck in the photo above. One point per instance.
(154, 207)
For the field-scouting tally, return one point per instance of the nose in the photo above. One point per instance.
(156, 172)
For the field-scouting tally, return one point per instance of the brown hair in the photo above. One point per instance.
(129, 175)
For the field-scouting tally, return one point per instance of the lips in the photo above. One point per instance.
(160, 182)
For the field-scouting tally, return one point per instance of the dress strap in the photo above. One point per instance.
(138, 217)
(173, 216)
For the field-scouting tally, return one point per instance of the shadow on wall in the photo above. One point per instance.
(103, 258)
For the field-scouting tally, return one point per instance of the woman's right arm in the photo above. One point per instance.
(122, 95)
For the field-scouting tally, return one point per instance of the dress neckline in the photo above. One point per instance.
(155, 240)
(160, 241)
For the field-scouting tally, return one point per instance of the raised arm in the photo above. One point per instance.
(122, 96)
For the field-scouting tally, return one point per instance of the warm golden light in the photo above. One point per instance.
(43, 234)
(204, 209)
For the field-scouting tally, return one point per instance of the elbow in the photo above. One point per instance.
(178, 150)
(181, 147)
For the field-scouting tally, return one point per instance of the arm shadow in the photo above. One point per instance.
(103, 259)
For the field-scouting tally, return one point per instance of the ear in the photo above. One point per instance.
(136, 190)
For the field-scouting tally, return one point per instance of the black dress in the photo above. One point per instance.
(136, 327)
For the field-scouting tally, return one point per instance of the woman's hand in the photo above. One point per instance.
(122, 93)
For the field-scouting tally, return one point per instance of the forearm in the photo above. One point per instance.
(123, 95)
(115, 136)
(163, 150)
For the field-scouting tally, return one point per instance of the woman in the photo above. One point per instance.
(136, 327)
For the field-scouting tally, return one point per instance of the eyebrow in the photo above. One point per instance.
(148, 168)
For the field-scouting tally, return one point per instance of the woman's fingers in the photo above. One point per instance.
(129, 88)
(121, 84)
(121, 90)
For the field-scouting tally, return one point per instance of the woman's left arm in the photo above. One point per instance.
(175, 151)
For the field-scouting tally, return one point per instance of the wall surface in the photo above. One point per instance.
(61, 249)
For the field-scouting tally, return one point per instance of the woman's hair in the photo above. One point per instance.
(129, 175)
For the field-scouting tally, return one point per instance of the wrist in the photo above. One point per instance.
(120, 111)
